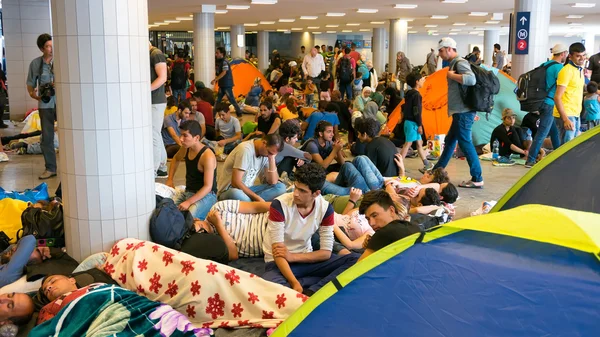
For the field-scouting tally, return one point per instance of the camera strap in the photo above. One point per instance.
(39, 78)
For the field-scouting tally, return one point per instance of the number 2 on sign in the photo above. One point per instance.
(522, 45)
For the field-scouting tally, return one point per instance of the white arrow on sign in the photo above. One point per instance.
(523, 20)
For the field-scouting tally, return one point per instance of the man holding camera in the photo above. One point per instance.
(40, 85)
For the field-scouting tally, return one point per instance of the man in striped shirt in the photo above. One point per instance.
(293, 219)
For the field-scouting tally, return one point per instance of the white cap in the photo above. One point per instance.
(292, 64)
(559, 48)
(446, 42)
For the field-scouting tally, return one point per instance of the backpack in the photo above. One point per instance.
(531, 88)
(480, 97)
(364, 70)
(42, 223)
(168, 225)
(345, 72)
(178, 76)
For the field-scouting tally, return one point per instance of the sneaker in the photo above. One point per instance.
(529, 164)
(161, 174)
(22, 150)
(3, 157)
(285, 180)
(47, 175)
(432, 158)
(426, 168)
(412, 154)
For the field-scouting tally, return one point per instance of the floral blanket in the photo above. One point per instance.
(110, 310)
(210, 294)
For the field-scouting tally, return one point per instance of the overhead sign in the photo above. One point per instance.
(522, 33)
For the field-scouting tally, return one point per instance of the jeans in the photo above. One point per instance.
(47, 118)
(229, 93)
(361, 174)
(346, 89)
(546, 127)
(309, 99)
(265, 191)
(567, 135)
(312, 276)
(179, 95)
(158, 146)
(460, 132)
(200, 208)
(287, 164)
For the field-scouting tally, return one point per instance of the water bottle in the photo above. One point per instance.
(495, 150)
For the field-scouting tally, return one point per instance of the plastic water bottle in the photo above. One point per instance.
(496, 149)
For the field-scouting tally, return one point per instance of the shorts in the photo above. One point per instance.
(411, 131)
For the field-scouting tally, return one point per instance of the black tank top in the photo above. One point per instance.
(194, 179)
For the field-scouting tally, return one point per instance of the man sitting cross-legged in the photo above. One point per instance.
(293, 219)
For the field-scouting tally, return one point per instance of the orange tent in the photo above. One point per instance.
(244, 74)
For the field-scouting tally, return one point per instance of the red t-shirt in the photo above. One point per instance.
(51, 309)
(206, 109)
(355, 55)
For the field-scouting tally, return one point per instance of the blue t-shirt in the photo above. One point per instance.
(315, 118)
(13, 270)
(551, 76)
(592, 107)
(170, 121)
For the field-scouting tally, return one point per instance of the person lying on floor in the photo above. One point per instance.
(16, 257)
(293, 220)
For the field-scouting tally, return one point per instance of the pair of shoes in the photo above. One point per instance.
(3, 157)
(503, 161)
(47, 175)
(413, 154)
(471, 184)
(161, 174)
(432, 157)
(529, 164)
(426, 168)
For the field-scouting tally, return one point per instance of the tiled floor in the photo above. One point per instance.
(21, 172)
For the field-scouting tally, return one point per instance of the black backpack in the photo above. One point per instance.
(168, 225)
(531, 88)
(345, 71)
(43, 223)
(178, 76)
(480, 97)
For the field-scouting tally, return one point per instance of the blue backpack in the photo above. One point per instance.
(168, 225)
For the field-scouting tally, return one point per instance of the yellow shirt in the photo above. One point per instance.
(168, 111)
(287, 114)
(571, 77)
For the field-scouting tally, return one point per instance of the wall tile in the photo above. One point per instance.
(16, 67)
(91, 153)
(114, 113)
(111, 55)
(78, 152)
(132, 11)
(68, 149)
(14, 54)
(73, 55)
(108, 234)
(12, 26)
(124, 59)
(138, 149)
(82, 193)
(132, 226)
(136, 103)
(103, 152)
(71, 188)
(61, 49)
(130, 195)
(120, 227)
(39, 12)
(119, 198)
(128, 157)
(30, 52)
(10, 11)
(13, 40)
(100, 106)
(93, 198)
(122, 17)
(96, 245)
(58, 8)
(70, 17)
(106, 197)
(87, 106)
(143, 228)
(110, 16)
(96, 17)
(65, 103)
(72, 236)
(85, 59)
(116, 152)
(126, 106)
(98, 59)
(76, 107)
(82, 9)
(35, 26)
(84, 237)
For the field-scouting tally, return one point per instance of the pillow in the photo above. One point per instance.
(22, 286)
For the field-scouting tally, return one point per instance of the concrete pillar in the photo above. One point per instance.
(490, 37)
(263, 51)
(23, 22)
(101, 62)
(204, 44)
(238, 50)
(589, 38)
(398, 40)
(379, 49)
(538, 36)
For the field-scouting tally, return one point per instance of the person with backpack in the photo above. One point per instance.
(345, 73)
(179, 76)
(225, 80)
(546, 125)
(463, 117)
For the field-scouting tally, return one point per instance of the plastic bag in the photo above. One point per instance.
(39, 192)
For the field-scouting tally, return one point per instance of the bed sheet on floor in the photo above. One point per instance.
(252, 265)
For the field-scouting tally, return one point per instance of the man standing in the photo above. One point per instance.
(313, 65)
(293, 219)
(345, 73)
(353, 53)
(158, 77)
(498, 57)
(179, 76)
(431, 62)
(225, 80)
(302, 54)
(546, 124)
(594, 66)
(459, 75)
(40, 85)
(403, 67)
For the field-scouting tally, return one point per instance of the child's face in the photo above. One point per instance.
(420, 83)
(225, 116)
(309, 81)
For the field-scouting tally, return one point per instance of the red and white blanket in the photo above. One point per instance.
(210, 294)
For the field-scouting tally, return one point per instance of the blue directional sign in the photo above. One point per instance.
(522, 33)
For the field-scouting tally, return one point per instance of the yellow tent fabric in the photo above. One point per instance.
(10, 217)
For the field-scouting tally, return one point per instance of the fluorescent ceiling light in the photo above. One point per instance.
(459, 24)
(346, 31)
(408, 19)
(296, 28)
(185, 18)
(432, 31)
(305, 17)
(250, 24)
(237, 7)
(454, 1)
(335, 14)
(435, 34)
(431, 26)
(221, 11)
(313, 27)
(316, 32)
(367, 11)
(263, 2)
(377, 22)
(331, 32)
(152, 26)
(456, 30)
(492, 22)
(409, 27)
(583, 5)
(405, 6)
(172, 21)
(452, 33)
(353, 24)
(267, 22)
(478, 14)
(332, 26)
(282, 30)
(497, 16)
(287, 20)
(190, 31)
(439, 17)
(224, 28)
(572, 16)
(160, 23)
(575, 24)
(365, 30)
(412, 32)
(479, 28)
(473, 32)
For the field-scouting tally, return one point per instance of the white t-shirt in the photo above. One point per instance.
(287, 226)
(247, 230)
(228, 130)
(355, 224)
(244, 158)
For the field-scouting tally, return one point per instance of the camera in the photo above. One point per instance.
(47, 91)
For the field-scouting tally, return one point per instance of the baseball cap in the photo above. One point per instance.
(559, 48)
(292, 64)
(446, 42)
(507, 113)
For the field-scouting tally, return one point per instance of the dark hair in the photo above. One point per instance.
(184, 104)
(311, 174)
(289, 129)
(170, 101)
(23, 319)
(475, 49)
(221, 50)
(267, 103)
(191, 126)
(221, 107)
(332, 107)
(347, 50)
(379, 197)
(440, 175)
(412, 78)
(576, 47)
(42, 39)
(302, 47)
(323, 105)
(431, 197)
(368, 126)
(317, 47)
(449, 193)
(497, 46)
(353, 45)
(290, 104)
(268, 92)
(330, 48)
(274, 139)
(359, 75)
(321, 126)
(592, 87)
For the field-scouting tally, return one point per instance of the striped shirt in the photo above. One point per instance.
(246, 230)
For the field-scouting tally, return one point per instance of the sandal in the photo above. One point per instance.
(471, 184)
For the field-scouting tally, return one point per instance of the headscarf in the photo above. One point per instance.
(377, 98)
(362, 94)
(371, 110)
